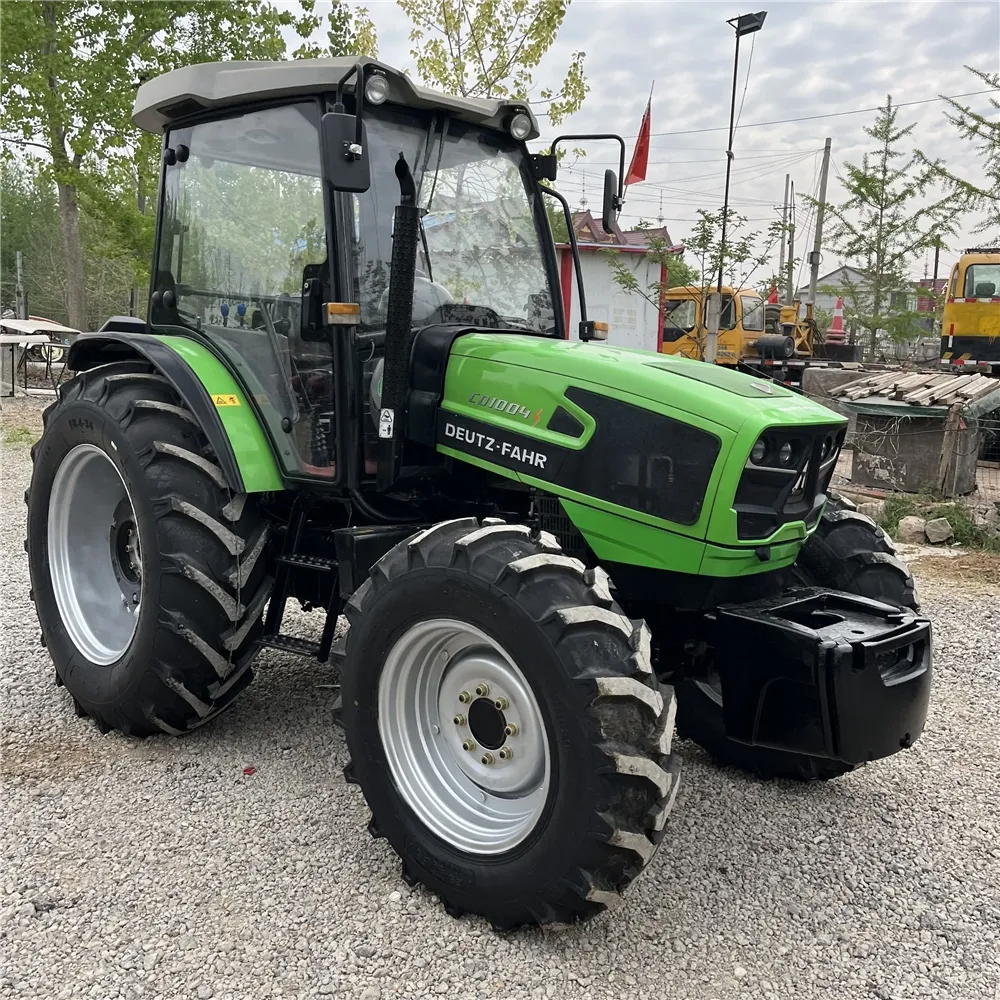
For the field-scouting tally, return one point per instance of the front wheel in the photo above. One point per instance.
(848, 552)
(504, 724)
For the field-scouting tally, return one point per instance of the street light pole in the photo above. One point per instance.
(745, 24)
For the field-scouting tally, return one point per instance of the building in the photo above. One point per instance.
(841, 281)
(633, 320)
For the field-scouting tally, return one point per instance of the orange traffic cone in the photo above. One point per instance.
(772, 298)
(836, 333)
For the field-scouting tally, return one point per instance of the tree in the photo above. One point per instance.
(349, 31)
(741, 254)
(491, 48)
(69, 82)
(890, 215)
(984, 132)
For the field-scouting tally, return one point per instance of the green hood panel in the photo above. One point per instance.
(707, 392)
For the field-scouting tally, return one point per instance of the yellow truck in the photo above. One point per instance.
(970, 322)
(766, 337)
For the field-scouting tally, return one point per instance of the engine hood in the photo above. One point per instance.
(728, 398)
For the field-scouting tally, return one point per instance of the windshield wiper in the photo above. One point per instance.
(288, 390)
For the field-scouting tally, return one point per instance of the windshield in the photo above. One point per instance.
(982, 281)
(480, 244)
(753, 313)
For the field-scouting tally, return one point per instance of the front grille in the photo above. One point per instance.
(770, 495)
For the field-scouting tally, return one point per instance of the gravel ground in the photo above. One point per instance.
(235, 863)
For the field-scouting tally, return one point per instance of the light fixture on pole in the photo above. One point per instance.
(745, 24)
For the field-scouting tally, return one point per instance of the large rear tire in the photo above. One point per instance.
(504, 724)
(148, 574)
(848, 552)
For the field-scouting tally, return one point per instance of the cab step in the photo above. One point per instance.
(291, 644)
(300, 561)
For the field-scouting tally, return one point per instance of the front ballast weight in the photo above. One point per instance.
(824, 673)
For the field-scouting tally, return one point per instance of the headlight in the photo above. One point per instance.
(376, 89)
(520, 126)
(758, 453)
(785, 453)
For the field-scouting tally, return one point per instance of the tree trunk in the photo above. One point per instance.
(76, 292)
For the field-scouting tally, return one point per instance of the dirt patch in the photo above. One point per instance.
(980, 570)
(21, 417)
(42, 761)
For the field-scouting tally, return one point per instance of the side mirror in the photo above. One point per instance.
(345, 152)
(609, 213)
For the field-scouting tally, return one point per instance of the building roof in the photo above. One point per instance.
(219, 85)
(589, 230)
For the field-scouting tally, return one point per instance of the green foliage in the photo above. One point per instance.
(19, 436)
(890, 216)
(967, 533)
(70, 74)
(349, 31)
(983, 131)
(491, 48)
(704, 246)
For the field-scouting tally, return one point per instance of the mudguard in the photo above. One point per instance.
(208, 389)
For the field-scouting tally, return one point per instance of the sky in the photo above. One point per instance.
(810, 58)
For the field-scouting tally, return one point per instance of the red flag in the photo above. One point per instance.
(640, 158)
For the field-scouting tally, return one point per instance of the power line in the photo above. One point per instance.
(829, 114)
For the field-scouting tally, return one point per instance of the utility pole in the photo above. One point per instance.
(818, 241)
(790, 265)
(937, 258)
(784, 229)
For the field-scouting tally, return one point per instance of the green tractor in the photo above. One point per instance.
(356, 390)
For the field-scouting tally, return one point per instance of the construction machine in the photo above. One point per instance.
(970, 321)
(355, 391)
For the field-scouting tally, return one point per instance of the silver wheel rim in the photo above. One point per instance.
(476, 806)
(94, 558)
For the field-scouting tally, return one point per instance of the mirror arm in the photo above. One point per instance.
(358, 72)
(621, 156)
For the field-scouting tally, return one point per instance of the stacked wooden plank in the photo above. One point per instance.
(919, 388)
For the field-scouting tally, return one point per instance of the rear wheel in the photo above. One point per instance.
(148, 574)
(504, 724)
(848, 552)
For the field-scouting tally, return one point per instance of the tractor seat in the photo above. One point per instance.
(985, 290)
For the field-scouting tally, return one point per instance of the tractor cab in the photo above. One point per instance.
(276, 234)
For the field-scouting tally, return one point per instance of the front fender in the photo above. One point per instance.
(208, 389)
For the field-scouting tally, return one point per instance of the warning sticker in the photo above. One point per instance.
(225, 399)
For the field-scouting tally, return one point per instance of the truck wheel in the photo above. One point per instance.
(147, 573)
(504, 724)
(848, 552)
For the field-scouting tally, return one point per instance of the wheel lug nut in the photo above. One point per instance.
(511, 729)
(505, 753)
(488, 758)
(459, 719)
(465, 697)
(502, 704)
(482, 690)
(469, 745)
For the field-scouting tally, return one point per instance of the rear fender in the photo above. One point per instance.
(232, 428)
